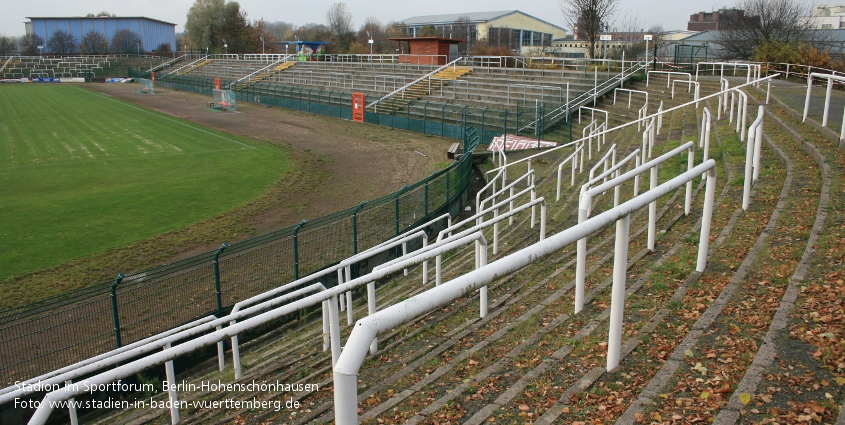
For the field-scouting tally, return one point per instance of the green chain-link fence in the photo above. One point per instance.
(56, 332)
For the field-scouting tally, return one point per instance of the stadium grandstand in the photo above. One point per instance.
(656, 243)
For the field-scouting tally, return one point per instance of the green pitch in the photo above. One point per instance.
(81, 172)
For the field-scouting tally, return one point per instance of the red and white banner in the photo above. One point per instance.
(515, 142)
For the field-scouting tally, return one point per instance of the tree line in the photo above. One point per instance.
(63, 42)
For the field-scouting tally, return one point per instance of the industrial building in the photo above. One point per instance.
(513, 29)
(152, 32)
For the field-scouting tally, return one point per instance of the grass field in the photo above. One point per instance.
(82, 172)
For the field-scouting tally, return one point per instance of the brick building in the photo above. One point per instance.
(716, 20)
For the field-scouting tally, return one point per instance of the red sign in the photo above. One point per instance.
(154, 77)
(358, 107)
(216, 84)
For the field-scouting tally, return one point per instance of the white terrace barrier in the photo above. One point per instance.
(668, 74)
(830, 79)
(753, 71)
(366, 329)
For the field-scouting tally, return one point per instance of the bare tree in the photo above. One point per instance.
(764, 21)
(374, 30)
(126, 42)
(62, 42)
(94, 43)
(7, 45)
(588, 18)
(465, 29)
(340, 24)
(30, 44)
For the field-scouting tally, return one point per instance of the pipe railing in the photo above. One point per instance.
(59, 376)
(188, 66)
(365, 330)
(336, 77)
(630, 93)
(573, 158)
(586, 203)
(689, 84)
(248, 78)
(542, 89)
(752, 157)
(754, 71)
(325, 296)
(668, 74)
(453, 64)
(830, 79)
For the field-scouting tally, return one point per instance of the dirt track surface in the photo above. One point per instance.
(357, 162)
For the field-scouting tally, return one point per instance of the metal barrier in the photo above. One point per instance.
(115, 313)
(830, 79)
(367, 329)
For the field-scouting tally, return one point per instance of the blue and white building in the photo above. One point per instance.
(152, 31)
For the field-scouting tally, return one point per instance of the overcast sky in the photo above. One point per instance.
(673, 15)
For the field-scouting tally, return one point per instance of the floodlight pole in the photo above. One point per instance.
(262, 45)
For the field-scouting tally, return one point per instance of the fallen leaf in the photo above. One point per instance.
(745, 398)
(688, 353)
(704, 395)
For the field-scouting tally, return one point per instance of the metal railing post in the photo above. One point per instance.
(355, 226)
(396, 207)
(296, 248)
(114, 312)
(216, 263)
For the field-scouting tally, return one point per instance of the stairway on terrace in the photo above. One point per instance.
(262, 76)
(530, 358)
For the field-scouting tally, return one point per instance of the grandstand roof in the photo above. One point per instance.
(100, 17)
(474, 17)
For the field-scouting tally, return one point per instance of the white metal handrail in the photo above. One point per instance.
(157, 67)
(585, 207)
(356, 348)
(830, 79)
(170, 353)
(753, 70)
(573, 159)
(658, 115)
(384, 78)
(454, 86)
(402, 89)
(338, 76)
(669, 75)
(689, 86)
(260, 71)
(525, 88)
(630, 93)
(190, 65)
(59, 376)
(752, 156)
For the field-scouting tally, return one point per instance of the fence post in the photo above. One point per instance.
(296, 248)
(115, 316)
(396, 206)
(355, 226)
(216, 264)
(447, 188)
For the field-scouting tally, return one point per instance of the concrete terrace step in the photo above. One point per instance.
(691, 340)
